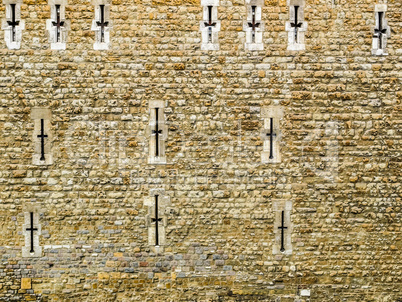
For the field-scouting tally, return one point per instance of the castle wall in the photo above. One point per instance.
(337, 108)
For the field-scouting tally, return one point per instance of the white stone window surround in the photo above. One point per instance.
(258, 43)
(278, 207)
(153, 159)
(61, 44)
(298, 44)
(206, 44)
(37, 114)
(13, 41)
(26, 249)
(375, 44)
(276, 113)
(106, 44)
(163, 209)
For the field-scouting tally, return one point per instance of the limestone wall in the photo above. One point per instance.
(339, 174)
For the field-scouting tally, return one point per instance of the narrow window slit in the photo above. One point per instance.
(158, 206)
(282, 228)
(31, 229)
(156, 220)
(296, 25)
(58, 24)
(380, 31)
(13, 23)
(271, 134)
(102, 23)
(42, 137)
(253, 24)
(210, 24)
(157, 132)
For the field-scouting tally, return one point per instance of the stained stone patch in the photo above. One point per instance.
(26, 283)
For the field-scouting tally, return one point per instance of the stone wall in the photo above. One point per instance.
(340, 166)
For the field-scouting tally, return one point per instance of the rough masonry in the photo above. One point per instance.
(317, 217)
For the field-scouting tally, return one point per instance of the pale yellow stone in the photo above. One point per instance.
(103, 276)
(115, 275)
(26, 283)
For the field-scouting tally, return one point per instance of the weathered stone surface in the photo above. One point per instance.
(26, 283)
(340, 166)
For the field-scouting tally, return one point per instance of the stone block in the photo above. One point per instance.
(26, 283)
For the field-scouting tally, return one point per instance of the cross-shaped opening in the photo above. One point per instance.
(156, 220)
(380, 31)
(253, 24)
(271, 135)
(58, 24)
(31, 230)
(102, 23)
(282, 228)
(210, 24)
(42, 137)
(157, 132)
(13, 23)
(296, 24)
